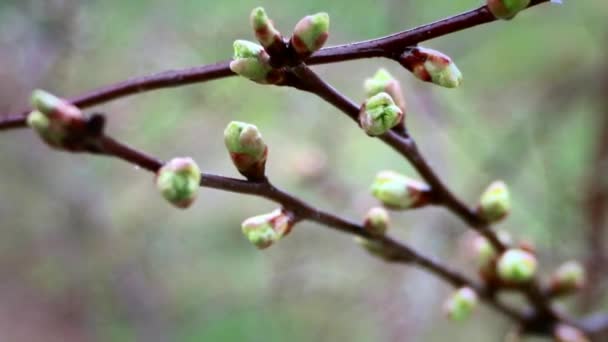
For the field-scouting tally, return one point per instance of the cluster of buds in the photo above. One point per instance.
(461, 304)
(247, 149)
(178, 181)
(397, 191)
(568, 278)
(310, 34)
(58, 122)
(253, 62)
(264, 230)
(506, 9)
(379, 114)
(383, 81)
(516, 266)
(431, 66)
(495, 202)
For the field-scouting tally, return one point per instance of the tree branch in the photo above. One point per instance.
(387, 47)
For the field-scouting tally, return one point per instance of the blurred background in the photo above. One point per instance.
(90, 252)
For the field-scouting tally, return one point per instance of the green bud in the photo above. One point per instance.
(376, 221)
(484, 252)
(383, 81)
(495, 202)
(264, 230)
(378, 249)
(461, 304)
(310, 33)
(247, 148)
(431, 66)
(567, 333)
(379, 114)
(506, 9)
(517, 266)
(264, 29)
(570, 276)
(252, 62)
(399, 192)
(54, 107)
(178, 181)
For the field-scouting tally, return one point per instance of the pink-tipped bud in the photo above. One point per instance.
(247, 149)
(264, 230)
(397, 191)
(461, 304)
(178, 181)
(376, 221)
(431, 66)
(310, 34)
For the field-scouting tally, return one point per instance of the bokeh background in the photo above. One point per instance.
(90, 252)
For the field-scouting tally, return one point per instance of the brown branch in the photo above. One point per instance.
(388, 47)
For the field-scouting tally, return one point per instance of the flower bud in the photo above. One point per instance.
(484, 252)
(396, 191)
(264, 230)
(383, 81)
(247, 149)
(379, 114)
(461, 304)
(376, 221)
(264, 29)
(310, 33)
(495, 202)
(55, 120)
(568, 277)
(517, 266)
(251, 61)
(378, 249)
(506, 9)
(178, 181)
(566, 333)
(431, 66)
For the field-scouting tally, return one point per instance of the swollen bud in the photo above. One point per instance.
(383, 81)
(397, 191)
(506, 9)
(247, 149)
(568, 277)
(484, 252)
(379, 114)
(310, 34)
(376, 221)
(495, 202)
(264, 230)
(461, 304)
(431, 66)
(252, 61)
(55, 119)
(178, 181)
(264, 29)
(517, 266)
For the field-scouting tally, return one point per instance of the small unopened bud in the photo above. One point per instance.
(376, 221)
(431, 66)
(397, 191)
(379, 114)
(247, 149)
(383, 81)
(252, 61)
(517, 266)
(178, 181)
(310, 34)
(264, 29)
(461, 304)
(506, 9)
(264, 230)
(484, 252)
(55, 119)
(568, 277)
(378, 249)
(495, 202)
(567, 333)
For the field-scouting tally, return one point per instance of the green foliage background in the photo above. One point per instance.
(90, 252)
